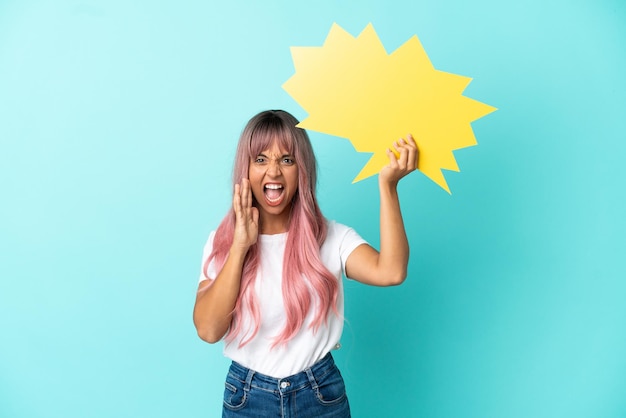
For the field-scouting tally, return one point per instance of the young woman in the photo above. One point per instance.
(271, 278)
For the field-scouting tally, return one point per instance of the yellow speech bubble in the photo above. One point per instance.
(353, 89)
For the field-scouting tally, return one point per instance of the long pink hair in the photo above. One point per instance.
(304, 274)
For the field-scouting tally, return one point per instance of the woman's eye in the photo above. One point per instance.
(259, 160)
(288, 161)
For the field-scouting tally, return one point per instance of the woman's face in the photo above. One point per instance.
(273, 178)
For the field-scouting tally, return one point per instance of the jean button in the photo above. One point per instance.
(284, 385)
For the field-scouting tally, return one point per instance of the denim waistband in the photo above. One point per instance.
(308, 376)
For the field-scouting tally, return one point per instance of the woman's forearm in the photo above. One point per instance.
(215, 301)
(394, 246)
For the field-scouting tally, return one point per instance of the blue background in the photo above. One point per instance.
(118, 121)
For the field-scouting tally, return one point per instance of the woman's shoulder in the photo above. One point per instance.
(336, 227)
(341, 239)
(338, 231)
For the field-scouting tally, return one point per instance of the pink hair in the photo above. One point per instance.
(304, 274)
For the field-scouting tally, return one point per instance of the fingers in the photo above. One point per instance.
(246, 194)
(246, 216)
(413, 153)
(408, 153)
(402, 159)
(242, 199)
(393, 160)
(405, 151)
(255, 215)
(401, 146)
(237, 201)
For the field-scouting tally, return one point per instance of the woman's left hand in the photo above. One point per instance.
(389, 266)
(402, 165)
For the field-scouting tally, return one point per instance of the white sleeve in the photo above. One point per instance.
(348, 240)
(208, 247)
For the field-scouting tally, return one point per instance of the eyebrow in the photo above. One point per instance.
(282, 156)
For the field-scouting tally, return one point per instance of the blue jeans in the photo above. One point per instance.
(316, 392)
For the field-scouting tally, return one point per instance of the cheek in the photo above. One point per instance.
(254, 175)
(256, 191)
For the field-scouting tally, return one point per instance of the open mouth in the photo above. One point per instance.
(273, 193)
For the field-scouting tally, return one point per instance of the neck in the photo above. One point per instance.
(270, 225)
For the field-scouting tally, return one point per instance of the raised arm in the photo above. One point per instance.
(389, 266)
(215, 300)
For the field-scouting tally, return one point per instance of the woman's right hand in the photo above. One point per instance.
(216, 301)
(246, 217)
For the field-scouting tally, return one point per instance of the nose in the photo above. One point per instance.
(274, 168)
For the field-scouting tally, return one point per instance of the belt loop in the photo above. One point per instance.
(246, 387)
(309, 374)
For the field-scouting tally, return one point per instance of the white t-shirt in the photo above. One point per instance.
(307, 347)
